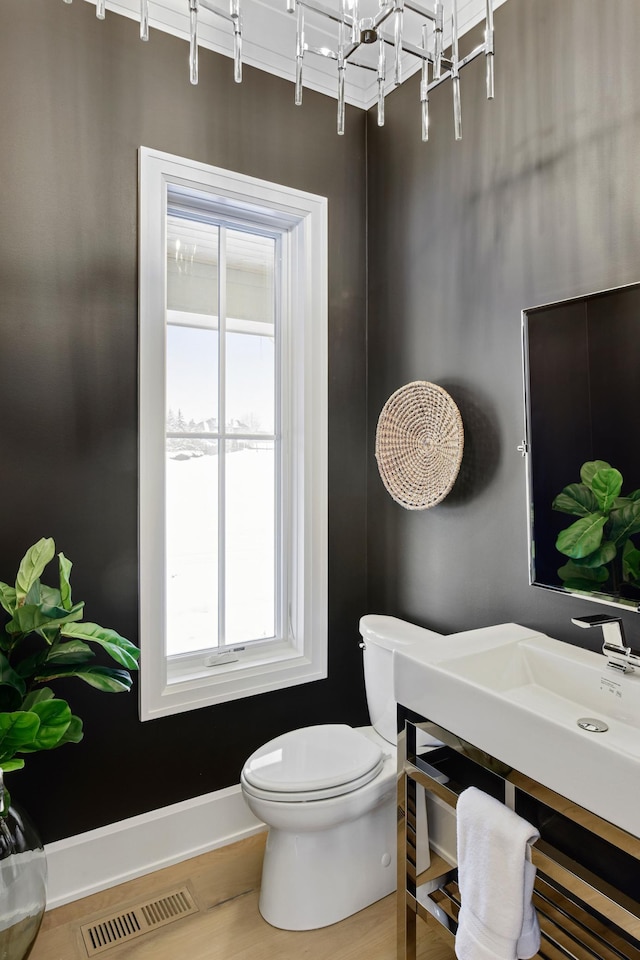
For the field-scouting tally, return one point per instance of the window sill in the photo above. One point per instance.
(190, 688)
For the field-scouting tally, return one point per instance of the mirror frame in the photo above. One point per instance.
(527, 452)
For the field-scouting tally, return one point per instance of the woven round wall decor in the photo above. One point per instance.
(419, 443)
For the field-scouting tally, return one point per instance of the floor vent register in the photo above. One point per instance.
(136, 921)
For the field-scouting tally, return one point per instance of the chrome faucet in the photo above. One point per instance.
(619, 655)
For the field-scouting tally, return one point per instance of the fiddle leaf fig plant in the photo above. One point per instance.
(599, 544)
(43, 640)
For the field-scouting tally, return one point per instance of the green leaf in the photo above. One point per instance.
(16, 729)
(55, 717)
(605, 553)
(32, 617)
(34, 595)
(590, 468)
(9, 765)
(119, 649)
(61, 614)
(8, 598)
(571, 571)
(29, 666)
(75, 651)
(37, 696)
(606, 485)
(31, 566)
(10, 698)
(6, 642)
(625, 522)
(52, 607)
(50, 596)
(26, 619)
(9, 677)
(582, 537)
(576, 499)
(65, 583)
(73, 733)
(107, 679)
(630, 561)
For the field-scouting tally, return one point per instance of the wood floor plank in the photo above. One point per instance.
(226, 884)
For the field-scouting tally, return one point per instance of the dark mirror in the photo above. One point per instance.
(582, 398)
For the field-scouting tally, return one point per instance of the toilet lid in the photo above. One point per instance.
(321, 758)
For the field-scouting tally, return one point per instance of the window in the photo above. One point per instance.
(233, 435)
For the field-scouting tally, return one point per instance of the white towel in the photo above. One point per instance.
(497, 918)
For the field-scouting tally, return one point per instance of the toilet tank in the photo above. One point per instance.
(382, 635)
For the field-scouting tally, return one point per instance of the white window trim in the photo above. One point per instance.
(304, 658)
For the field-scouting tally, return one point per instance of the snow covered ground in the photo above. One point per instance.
(192, 549)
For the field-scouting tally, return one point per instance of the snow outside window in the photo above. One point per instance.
(233, 460)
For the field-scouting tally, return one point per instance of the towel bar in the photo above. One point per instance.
(583, 916)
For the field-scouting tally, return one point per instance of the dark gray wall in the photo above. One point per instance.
(78, 99)
(539, 202)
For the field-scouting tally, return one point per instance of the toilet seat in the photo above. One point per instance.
(312, 763)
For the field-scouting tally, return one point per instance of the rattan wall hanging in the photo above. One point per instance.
(419, 443)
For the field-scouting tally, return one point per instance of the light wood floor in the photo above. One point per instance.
(225, 884)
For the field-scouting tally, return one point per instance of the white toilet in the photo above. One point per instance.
(328, 795)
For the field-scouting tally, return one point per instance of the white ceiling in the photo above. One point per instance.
(269, 39)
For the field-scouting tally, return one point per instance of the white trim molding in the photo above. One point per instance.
(89, 862)
(298, 652)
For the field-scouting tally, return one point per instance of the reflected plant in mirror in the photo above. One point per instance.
(581, 376)
(599, 545)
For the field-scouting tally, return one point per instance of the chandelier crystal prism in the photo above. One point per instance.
(384, 31)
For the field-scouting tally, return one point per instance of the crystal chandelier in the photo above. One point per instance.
(354, 35)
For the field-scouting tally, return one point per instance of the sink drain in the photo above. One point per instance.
(592, 726)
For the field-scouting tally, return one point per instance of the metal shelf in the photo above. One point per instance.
(582, 915)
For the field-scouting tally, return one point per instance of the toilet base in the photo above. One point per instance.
(311, 880)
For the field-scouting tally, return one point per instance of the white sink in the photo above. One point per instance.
(519, 694)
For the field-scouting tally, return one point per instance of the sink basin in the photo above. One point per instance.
(553, 678)
(519, 694)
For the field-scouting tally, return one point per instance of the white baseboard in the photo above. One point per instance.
(102, 858)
